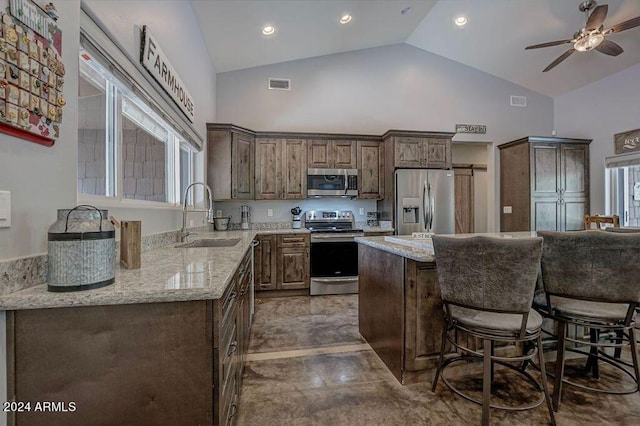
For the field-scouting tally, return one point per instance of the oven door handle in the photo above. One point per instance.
(334, 239)
(335, 280)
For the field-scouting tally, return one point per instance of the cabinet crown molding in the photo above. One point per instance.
(544, 139)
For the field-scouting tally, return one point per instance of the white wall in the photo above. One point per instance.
(372, 90)
(42, 179)
(598, 111)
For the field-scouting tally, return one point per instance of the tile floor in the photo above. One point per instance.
(308, 365)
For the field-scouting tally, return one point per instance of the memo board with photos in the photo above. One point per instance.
(31, 72)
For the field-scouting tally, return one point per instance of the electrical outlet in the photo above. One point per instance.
(270, 212)
(507, 210)
(218, 213)
(361, 211)
(5, 209)
(191, 224)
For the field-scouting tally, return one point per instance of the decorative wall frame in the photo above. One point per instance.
(31, 71)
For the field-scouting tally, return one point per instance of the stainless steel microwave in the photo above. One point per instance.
(332, 183)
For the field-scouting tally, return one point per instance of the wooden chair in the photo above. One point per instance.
(600, 220)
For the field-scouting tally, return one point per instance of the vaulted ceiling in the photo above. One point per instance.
(493, 40)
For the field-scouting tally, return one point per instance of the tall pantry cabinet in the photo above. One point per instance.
(544, 184)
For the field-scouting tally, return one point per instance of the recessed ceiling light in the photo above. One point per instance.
(460, 21)
(268, 30)
(406, 10)
(345, 19)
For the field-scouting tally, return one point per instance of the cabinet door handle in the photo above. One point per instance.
(234, 411)
(232, 348)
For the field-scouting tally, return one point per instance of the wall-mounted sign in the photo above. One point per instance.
(31, 15)
(471, 128)
(627, 141)
(32, 73)
(156, 63)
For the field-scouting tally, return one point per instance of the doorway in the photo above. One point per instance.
(471, 186)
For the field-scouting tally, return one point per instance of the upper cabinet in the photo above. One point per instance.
(419, 150)
(246, 165)
(331, 154)
(544, 184)
(230, 157)
(281, 169)
(370, 170)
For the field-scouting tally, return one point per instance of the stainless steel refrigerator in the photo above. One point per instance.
(424, 201)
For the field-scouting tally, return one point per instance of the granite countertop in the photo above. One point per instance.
(168, 274)
(421, 250)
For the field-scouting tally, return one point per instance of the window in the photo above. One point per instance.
(623, 188)
(129, 148)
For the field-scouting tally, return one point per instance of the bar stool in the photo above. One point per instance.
(592, 279)
(487, 286)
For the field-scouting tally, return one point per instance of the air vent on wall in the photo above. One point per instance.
(279, 84)
(519, 101)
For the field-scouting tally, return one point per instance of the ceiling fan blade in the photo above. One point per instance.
(626, 25)
(561, 58)
(609, 48)
(597, 17)
(551, 43)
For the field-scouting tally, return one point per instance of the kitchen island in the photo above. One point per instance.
(163, 345)
(399, 305)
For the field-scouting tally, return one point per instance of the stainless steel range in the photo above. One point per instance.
(334, 253)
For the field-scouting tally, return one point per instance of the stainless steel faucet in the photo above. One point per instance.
(184, 234)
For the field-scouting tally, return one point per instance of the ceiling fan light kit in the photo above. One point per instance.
(592, 36)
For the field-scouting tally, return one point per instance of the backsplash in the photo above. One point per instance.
(21, 273)
(281, 209)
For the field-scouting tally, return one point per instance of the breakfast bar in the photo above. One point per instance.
(399, 306)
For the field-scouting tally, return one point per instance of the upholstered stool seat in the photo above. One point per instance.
(582, 309)
(496, 322)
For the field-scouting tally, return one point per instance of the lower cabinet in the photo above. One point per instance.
(282, 262)
(174, 363)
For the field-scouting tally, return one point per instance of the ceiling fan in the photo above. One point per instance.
(592, 36)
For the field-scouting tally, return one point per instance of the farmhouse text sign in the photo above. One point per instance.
(471, 128)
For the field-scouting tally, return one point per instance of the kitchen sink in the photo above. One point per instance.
(210, 243)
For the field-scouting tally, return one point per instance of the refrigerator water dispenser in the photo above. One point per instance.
(410, 209)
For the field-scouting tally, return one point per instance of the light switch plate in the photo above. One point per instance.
(5, 209)
(507, 209)
(270, 212)
(361, 211)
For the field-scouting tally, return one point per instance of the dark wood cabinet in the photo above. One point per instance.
(230, 162)
(268, 169)
(400, 312)
(416, 150)
(370, 170)
(265, 262)
(282, 262)
(331, 154)
(155, 364)
(294, 169)
(281, 169)
(544, 184)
